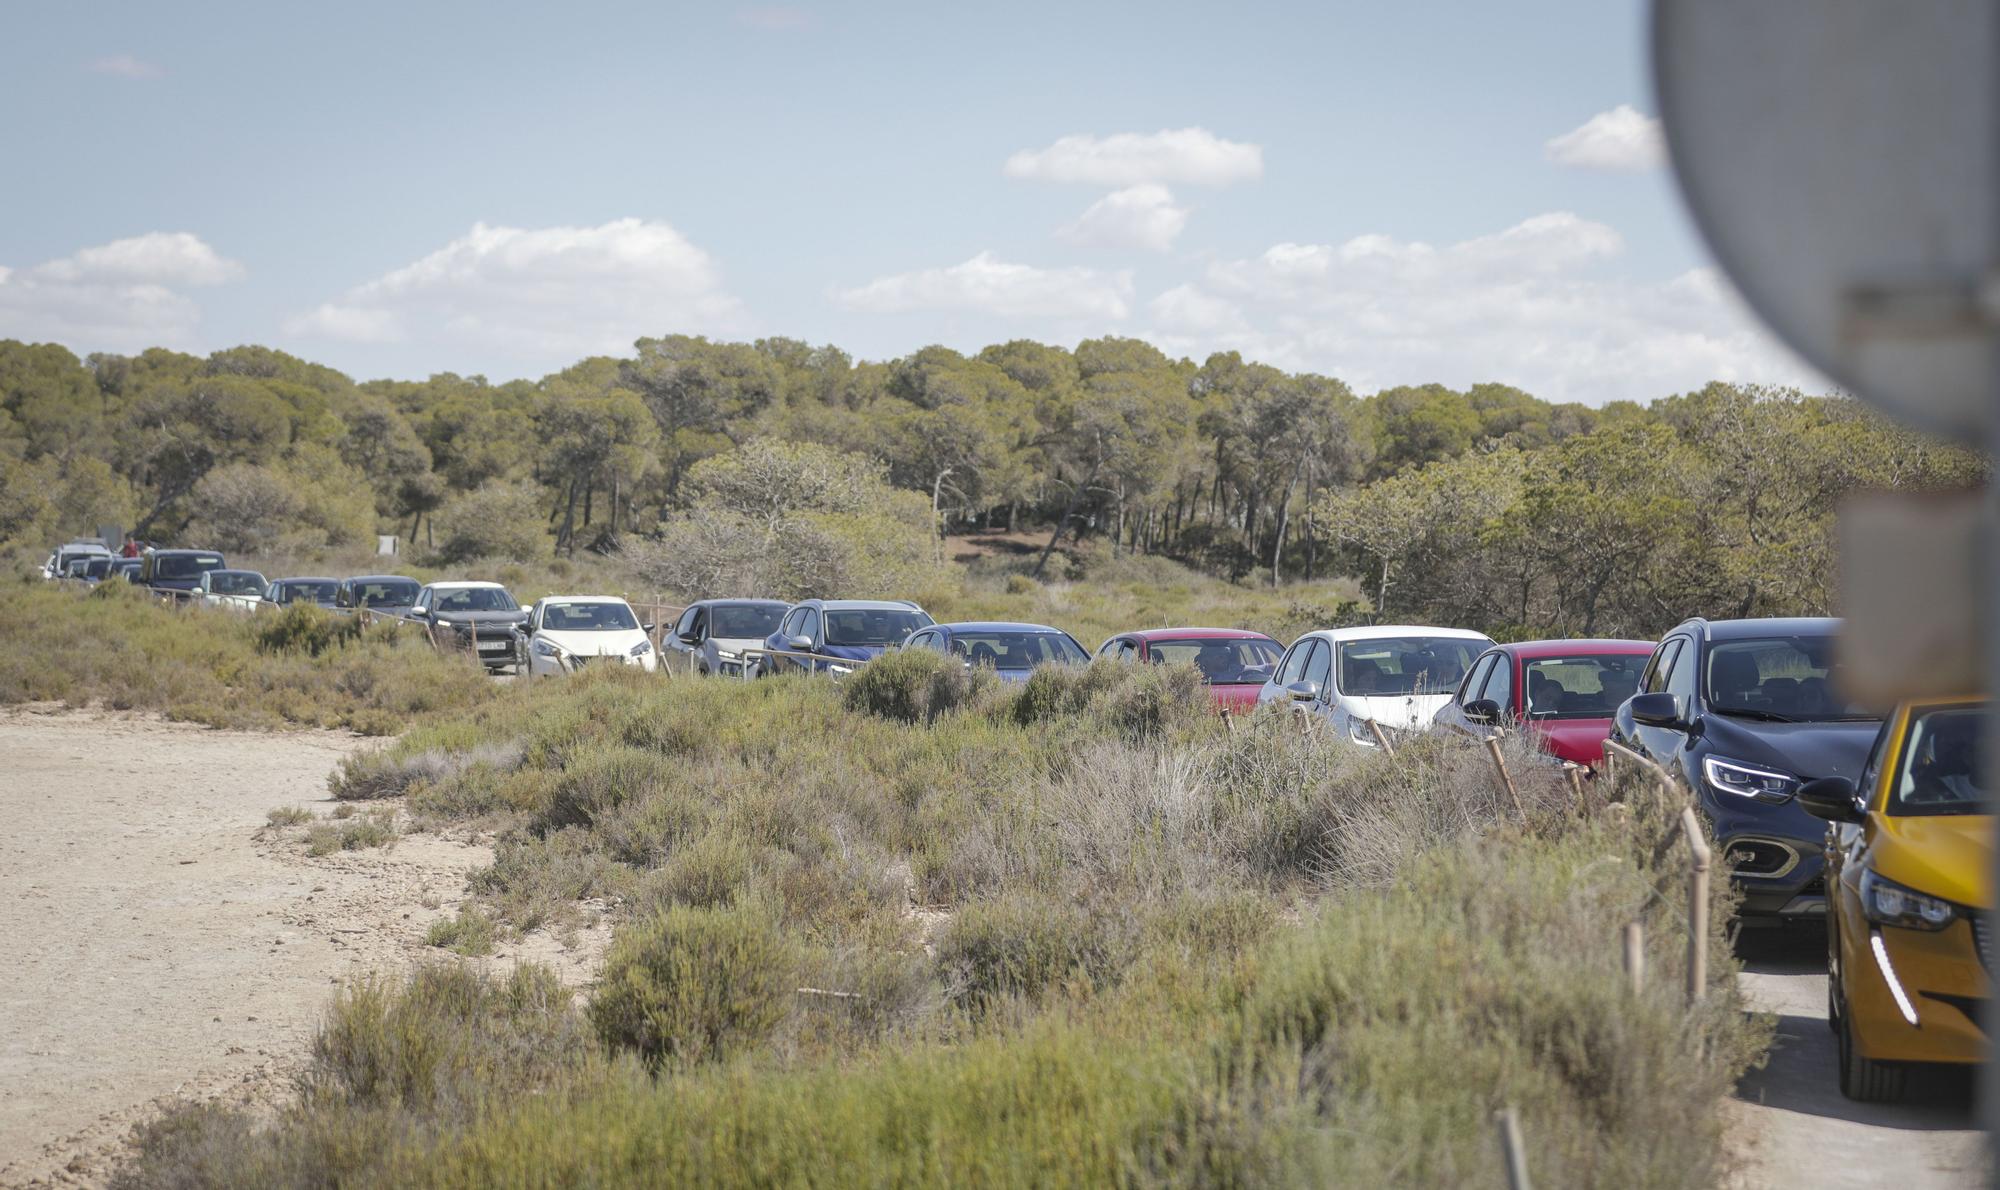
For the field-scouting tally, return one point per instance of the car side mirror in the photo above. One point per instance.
(799, 643)
(1658, 709)
(1831, 798)
(647, 629)
(689, 638)
(1482, 710)
(1303, 691)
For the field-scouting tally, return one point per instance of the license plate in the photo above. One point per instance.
(492, 646)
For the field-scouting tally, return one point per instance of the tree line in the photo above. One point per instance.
(1486, 505)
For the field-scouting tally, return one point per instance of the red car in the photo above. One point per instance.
(1565, 691)
(1235, 662)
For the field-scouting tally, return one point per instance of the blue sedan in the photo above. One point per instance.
(837, 635)
(1011, 650)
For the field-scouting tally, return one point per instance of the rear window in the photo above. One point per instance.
(1582, 687)
(185, 565)
(1222, 660)
(1942, 770)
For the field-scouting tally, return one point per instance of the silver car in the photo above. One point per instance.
(712, 635)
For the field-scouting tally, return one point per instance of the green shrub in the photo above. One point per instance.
(915, 686)
(286, 816)
(1026, 945)
(355, 834)
(306, 628)
(688, 985)
(470, 933)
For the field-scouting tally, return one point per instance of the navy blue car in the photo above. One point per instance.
(830, 635)
(178, 570)
(1743, 712)
(1010, 650)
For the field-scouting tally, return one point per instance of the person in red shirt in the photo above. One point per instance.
(131, 549)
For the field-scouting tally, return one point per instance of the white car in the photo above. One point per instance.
(1397, 675)
(237, 590)
(712, 636)
(566, 632)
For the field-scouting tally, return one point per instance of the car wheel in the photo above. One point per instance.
(1865, 1080)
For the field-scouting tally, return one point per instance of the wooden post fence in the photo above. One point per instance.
(1697, 965)
(1635, 955)
(1506, 778)
(1511, 1149)
(1381, 737)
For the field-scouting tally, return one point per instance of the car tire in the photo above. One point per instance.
(1865, 1080)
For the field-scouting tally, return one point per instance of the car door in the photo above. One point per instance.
(1115, 647)
(1662, 744)
(1318, 672)
(524, 639)
(810, 628)
(1290, 666)
(683, 642)
(1452, 714)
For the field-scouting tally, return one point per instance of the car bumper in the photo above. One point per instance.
(541, 665)
(1942, 980)
(1775, 855)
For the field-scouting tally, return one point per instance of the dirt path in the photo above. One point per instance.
(1792, 1124)
(157, 944)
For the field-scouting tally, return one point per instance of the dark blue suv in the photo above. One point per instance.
(1743, 712)
(829, 635)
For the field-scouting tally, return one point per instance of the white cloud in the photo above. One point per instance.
(1193, 155)
(775, 18)
(121, 296)
(126, 66)
(988, 285)
(543, 296)
(1531, 305)
(1142, 217)
(1622, 140)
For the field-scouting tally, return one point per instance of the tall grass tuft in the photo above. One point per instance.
(691, 985)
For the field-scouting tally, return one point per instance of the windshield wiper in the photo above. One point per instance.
(1754, 713)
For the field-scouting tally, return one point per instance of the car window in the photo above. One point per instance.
(1783, 677)
(1585, 686)
(1015, 650)
(588, 617)
(1468, 690)
(1319, 667)
(742, 621)
(1499, 685)
(1680, 680)
(476, 599)
(1128, 650)
(1294, 663)
(871, 626)
(1110, 647)
(791, 625)
(1224, 660)
(1942, 771)
(686, 625)
(1406, 664)
(809, 625)
(1655, 679)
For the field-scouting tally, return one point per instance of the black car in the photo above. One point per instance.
(178, 570)
(390, 594)
(480, 617)
(319, 591)
(1744, 712)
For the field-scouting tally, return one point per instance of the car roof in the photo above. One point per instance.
(236, 570)
(1769, 626)
(173, 553)
(582, 599)
(464, 583)
(1533, 649)
(997, 626)
(306, 578)
(1382, 631)
(381, 578)
(866, 605)
(1164, 634)
(739, 603)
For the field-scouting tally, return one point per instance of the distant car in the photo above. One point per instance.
(92, 569)
(1013, 651)
(390, 594)
(712, 635)
(285, 591)
(1564, 691)
(58, 564)
(178, 570)
(239, 590)
(1909, 935)
(563, 633)
(1236, 663)
(1395, 675)
(125, 568)
(838, 633)
(1743, 712)
(481, 617)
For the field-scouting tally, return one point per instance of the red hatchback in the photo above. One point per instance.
(1235, 662)
(1565, 691)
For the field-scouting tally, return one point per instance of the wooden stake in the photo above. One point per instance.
(1635, 955)
(1506, 780)
(1511, 1149)
(1576, 784)
(1381, 737)
(1697, 965)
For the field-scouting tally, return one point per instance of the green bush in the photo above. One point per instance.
(689, 985)
(1025, 945)
(915, 686)
(306, 628)
(470, 933)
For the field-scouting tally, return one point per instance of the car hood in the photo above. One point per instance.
(837, 652)
(1580, 741)
(594, 644)
(1235, 696)
(1806, 750)
(1945, 855)
(736, 644)
(1406, 712)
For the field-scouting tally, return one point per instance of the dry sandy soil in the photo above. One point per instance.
(161, 944)
(1793, 1127)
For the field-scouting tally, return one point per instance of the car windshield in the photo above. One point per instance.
(1942, 771)
(185, 565)
(744, 621)
(588, 617)
(236, 582)
(871, 626)
(309, 592)
(97, 568)
(1017, 649)
(1405, 664)
(1222, 660)
(1780, 677)
(475, 599)
(1587, 686)
(386, 593)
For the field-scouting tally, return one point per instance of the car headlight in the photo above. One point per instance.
(1748, 780)
(1357, 730)
(542, 648)
(833, 668)
(1887, 903)
(722, 654)
(642, 648)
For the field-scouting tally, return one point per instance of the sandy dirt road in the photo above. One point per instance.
(158, 944)
(1792, 1125)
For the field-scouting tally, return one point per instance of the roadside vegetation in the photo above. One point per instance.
(927, 927)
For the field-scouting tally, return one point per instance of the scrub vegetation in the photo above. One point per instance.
(924, 929)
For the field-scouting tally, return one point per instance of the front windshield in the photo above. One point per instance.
(1016, 650)
(475, 599)
(387, 593)
(588, 617)
(1780, 677)
(236, 582)
(1582, 687)
(871, 626)
(97, 568)
(1942, 772)
(1221, 660)
(1405, 664)
(744, 621)
(185, 565)
(307, 592)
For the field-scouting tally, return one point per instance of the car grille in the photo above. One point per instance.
(1982, 937)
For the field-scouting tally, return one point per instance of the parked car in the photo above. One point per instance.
(1236, 663)
(89, 568)
(1909, 850)
(1010, 650)
(480, 616)
(563, 633)
(1743, 712)
(838, 632)
(125, 568)
(390, 594)
(178, 570)
(239, 590)
(1563, 691)
(1395, 675)
(712, 635)
(320, 591)
(58, 562)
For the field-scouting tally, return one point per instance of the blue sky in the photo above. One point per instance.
(1366, 190)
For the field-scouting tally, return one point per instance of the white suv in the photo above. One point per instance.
(1397, 675)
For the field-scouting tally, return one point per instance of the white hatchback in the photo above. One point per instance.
(564, 633)
(1396, 675)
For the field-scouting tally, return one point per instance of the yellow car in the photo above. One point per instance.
(1909, 897)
